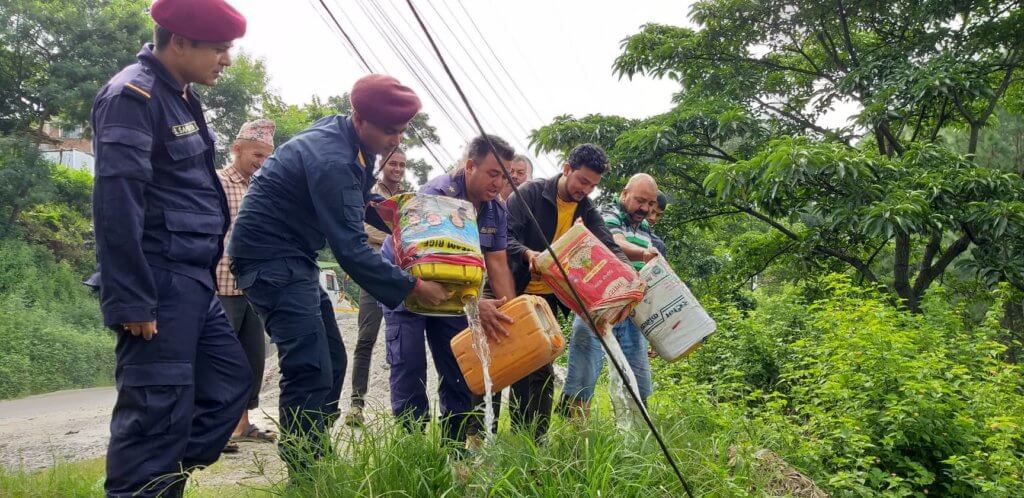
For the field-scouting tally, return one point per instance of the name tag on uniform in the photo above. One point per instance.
(488, 230)
(184, 129)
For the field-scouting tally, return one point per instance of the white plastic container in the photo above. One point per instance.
(669, 315)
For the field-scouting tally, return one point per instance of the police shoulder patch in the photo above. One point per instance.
(138, 83)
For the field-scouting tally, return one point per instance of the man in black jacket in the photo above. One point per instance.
(557, 203)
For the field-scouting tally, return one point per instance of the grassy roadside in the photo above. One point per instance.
(592, 460)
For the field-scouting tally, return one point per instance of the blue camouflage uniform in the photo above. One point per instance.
(312, 191)
(160, 215)
(405, 330)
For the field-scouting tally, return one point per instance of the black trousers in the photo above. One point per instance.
(300, 319)
(370, 316)
(179, 395)
(249, 328)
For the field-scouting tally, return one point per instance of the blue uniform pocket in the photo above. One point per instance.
(184, 148)
(393, 339)
(486, 241)
(195, 235)
(150, 398)
(354, 205)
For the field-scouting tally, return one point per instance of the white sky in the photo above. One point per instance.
(558, 52)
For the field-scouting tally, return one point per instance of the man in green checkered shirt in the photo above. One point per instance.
(627, 222)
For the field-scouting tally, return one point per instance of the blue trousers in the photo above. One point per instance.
(407, 356)
(299, 316)
(586, 358)
(179, 395)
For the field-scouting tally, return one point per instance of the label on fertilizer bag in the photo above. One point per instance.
(669, 315)
(434, 227)
(608, 287)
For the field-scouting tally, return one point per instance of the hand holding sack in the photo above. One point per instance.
(608, 287)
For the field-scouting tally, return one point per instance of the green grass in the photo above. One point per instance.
(62, 480)
(588, 460)
(85, 479)
(592, 460)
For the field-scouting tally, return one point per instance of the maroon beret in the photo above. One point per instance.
(382, 100)
(199, 20)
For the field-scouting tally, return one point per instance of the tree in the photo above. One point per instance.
(291, 119)
(55, 56)
(24, 180)
(237, 97)
(746, 133)
(420, 170)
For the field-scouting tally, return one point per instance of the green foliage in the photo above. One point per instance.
(291, 118)
(56, 54)
(85, 480)
(236, 98)
(49, 325)
(594, 460)
(64, 231)
(50, 204)
(63, 480)
(870, 399)
(883, 195)
(24, 179)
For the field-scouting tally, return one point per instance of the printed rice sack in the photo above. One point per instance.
(436, 238)
(608, 287)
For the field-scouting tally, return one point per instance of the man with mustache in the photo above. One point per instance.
(652, 219)
(478, 181)
(521, 171)
(627, 222)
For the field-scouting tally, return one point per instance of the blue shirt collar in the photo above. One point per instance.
(349, 130)
(147, 57)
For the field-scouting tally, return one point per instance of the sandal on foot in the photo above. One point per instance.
(231, 447)
(256, 435)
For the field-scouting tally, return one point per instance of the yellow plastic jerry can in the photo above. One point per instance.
(534, 341)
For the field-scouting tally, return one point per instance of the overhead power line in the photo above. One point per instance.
(572, 288)
(368, 68)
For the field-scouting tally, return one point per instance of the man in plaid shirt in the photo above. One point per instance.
(254, 143)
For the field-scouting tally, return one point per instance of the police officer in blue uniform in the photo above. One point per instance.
(314, 190)
(160, 215)
(479, 181)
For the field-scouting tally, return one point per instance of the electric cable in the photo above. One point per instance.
(572, 288)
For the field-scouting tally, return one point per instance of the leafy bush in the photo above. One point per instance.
(49, 325)
(870, 399)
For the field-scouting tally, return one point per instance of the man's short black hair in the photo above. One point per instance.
(161, 37)
(479, 148)
(589, 155)
(662, 200)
